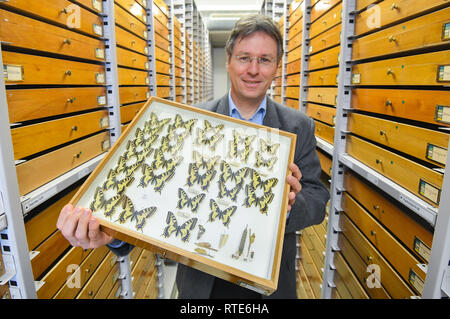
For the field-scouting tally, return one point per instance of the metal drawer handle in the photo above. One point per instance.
(389, 71)
(67, 41)
(71, 100)
(376, 207)
(388, 103)
(68, 72)
(378, 161)
(382, 133)
(64, 11)
(394, 6)
(373, 233)
(392, 38)
(74, 128)
(78, 155)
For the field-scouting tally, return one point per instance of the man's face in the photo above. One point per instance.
(250, 81)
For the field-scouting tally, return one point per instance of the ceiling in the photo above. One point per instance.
(220, 16)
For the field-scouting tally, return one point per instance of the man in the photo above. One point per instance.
(254, 50)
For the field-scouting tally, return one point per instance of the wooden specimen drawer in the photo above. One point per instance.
(362, 4)
(391, 11)
(178, 81)
(129, 22)
(296, 15)
(390, 279)
(327, 40)
(108, 284)
(295, 54)
(31, 139)
(24, 32)
(31, 69)
(62, 12)
(413, 235)
(128, 112)
(132, 77)
(324, 59)
(326, 162)
(40, 170)
(162, 43)
(321, 8)
(348, 278)
(423, 32)
(134, 8)
(324, 131)
(131, 59)
(95, 5)
(423, 69)
(161, 29)
(133, 94)
(324, 77)
(292, 80)
(322, 113)
(293, 67)
(292, 103)
(56, 277)
(82, 274)
(327, 21)
(131, 41)
(419, 180)
(92, 286)
(402, 260)
(162, 80)
(294, 42)
(425, 144)
(295, 29)
(315, 247)
(162, 67)
(160, 15)
(419, 105)
(314, 276)
(292, 92)
(31, 104)
(162, 55)
(323, 95)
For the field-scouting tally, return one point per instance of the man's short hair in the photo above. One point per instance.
(250, 24)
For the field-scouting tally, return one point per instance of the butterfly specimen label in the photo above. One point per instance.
(206, 188)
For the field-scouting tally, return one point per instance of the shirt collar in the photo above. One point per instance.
(233, 108)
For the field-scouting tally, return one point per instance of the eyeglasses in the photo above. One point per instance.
(246, 59)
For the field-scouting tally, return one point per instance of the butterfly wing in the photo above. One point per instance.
(183, 198)
(111, 204)
(193, 175)
(128, 210)
(172, 225)
(185, 229)
(250, 198)
(215, 210)
(264, 202)
(226, 215)
(207, 178)
(195, 202)
(269, 184)
(99, 200)
(162, 179)
(110, 181)
(142, 216)
(147, 174)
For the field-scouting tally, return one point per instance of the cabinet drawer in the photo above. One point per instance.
(161, 29)
(419, 105)
(324, 131)
(323, 77)
(323, 95)
(295, 29)
(294, 42)
(416, 178)
(403, 261)
(24, 32)
(161, 12)
(419, 142)
(131, 41)
(133, 94)
(327, 21)
(31, 69)
(293, 67)
(31, 139)
(41, 170)
(292, 92)
(128, 112)
(295, 54)
(314, 276)
(292, 80)
(423, 69)
(322, 113)
(129, 22)
(131, 59)
(422, 32)
(162, 43)
(328, 39)
(390, 279)
(391, 11)
(96, 5)
(63, 12)
(292, 103)
(321, 8)
(31, 104)
(134, 8)
(162, 67)
(297, 12)
(162, 55)
(132, 77)
(324, 59)
(162, 80)
(277, 90)
(348, 278)
(406, 229)
(109, 283)
(326, 162)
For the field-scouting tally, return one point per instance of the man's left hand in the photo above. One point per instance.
(294, 181)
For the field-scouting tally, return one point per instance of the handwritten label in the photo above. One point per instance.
(436, 153)
(442, 114)
(421, 249)
(13, 72)
(429, 191)
(444, 73)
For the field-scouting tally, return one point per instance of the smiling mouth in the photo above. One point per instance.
(252, 83)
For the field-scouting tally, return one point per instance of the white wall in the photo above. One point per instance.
(220, 75)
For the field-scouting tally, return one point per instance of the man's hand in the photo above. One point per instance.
(80, 228)
(294, 181)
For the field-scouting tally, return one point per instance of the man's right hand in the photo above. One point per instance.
(80, 228)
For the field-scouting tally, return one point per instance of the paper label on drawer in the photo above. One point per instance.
(99, 53)
(436, 153)
(101, 100)
(104, 122)
(147, 80)
(144, 3)
(100, 78)
(146, 50)
(421, 249)
(145, 34)
(98, 29)
(415, 281)
(429, 191)
(356, 78)
(97, 5)
(147, 94)
(106, 144)
(444, 73)
(13, 72)
(442, 114)
(446, 31)
(147, 66)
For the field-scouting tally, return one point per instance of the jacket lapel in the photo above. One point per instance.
(271, 118)
(223, 106)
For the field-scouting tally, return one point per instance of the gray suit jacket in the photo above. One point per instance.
(309, 207)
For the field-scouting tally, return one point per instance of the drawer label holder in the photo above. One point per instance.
(12, 72)
(429, 191)
(436, 153)
(421, 249)
(416, 281)
(446, 31)
(443, 74)
(442, 114)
